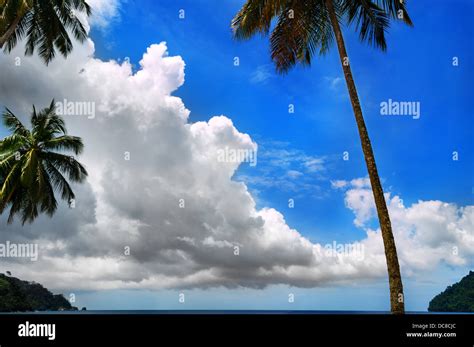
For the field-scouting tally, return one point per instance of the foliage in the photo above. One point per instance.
(32, 166)
(458, 297)
(20, 296)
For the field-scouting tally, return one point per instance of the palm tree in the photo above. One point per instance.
(32, 166)
(44, 23)
(305, 28)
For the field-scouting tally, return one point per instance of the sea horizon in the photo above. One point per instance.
(239, 312)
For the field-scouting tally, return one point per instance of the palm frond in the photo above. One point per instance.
(46, 24)
(17, 202)
(10, 184)
(256, 16)
(67, 165)
(395, 9)
(47, 124)
(12, 143)
(65, 143)
(370, 20)
(297, 37)
(12, 123)
(59, 182)
(29, 170)
(47, 200)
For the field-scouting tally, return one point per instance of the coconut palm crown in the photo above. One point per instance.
(44, 23)
(33, 165)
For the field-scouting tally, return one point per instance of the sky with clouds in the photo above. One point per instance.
(161, 215)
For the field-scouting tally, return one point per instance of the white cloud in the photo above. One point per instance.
(104, 12)
(361, 202)
(287, 169)
(261, 74)
(334, 82)
(293, 174)
(314, 164)
(426, 233)
(338, 184)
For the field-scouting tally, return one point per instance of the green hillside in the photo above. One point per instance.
(456, 298)
(19, 296)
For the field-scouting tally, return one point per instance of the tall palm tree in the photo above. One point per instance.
(44, 23)
(32, 165)
(304, 28)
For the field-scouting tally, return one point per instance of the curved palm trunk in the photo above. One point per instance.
(395, 280)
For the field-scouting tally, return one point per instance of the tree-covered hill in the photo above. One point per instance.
(456, 298)
(17, 295)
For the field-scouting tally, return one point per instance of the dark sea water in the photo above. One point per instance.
(210, 312)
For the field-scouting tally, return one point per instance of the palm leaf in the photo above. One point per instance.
(370, 20)
(256, 16)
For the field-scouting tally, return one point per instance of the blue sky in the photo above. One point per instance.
(414, 157)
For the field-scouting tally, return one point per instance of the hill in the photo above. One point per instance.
(19, 296)
(458, 297)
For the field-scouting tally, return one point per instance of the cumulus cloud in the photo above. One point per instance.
(172, 204)
(161, 211)
(427, 232)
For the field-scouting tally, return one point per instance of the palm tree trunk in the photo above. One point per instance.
(9, 32)
(395, 280)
